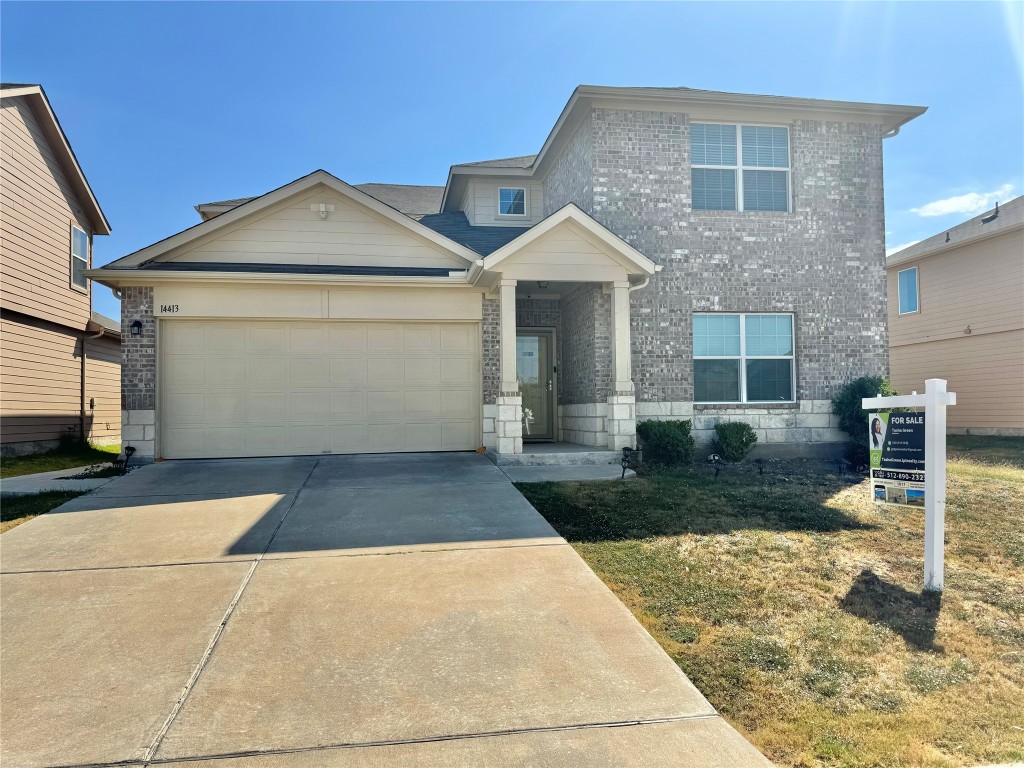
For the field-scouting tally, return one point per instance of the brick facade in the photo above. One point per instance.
(138, 353)
(823, 261)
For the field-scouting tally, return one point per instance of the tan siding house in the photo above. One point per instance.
(956, 311)
(59, 362)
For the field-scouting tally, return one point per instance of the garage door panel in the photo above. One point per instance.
(456, 370)
(455, 434)
(267, 406)
(308, 371)
(266, 372)
(385, 338)
(420, 403)
(423, 372)
(384, 372)
(268, 338)
(266, 388)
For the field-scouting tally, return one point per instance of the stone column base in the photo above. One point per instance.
(509, 424)
(620, 422)
(138, 429)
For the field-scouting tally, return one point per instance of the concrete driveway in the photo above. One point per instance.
(341, 611)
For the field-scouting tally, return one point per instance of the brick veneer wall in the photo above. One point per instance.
(571, 179)
(138, 353)
(824, 261)
(490, 329)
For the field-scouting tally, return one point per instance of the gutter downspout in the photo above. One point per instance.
(644, 283)
(81, 390)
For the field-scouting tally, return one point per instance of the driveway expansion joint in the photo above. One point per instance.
(194, 677)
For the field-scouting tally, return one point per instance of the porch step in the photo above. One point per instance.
(554, 459)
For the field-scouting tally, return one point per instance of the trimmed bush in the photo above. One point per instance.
(853, 419)
(734, 439)
(666, 443)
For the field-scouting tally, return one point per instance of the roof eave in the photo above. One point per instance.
(118, 278)
(59, 141)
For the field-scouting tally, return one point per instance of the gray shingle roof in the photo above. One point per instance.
(523, 161)
(483, 240)
(411, 199)
(1011, 214)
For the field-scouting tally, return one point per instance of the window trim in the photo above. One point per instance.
(740, 167)
(743, 358)
(917, 292)
(526, 204)
(71, 259)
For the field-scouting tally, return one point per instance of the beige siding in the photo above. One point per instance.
(481, 203)
(40, 384)
(978, 286)
(293, 233)
(103, 389)
(985, 371)
(564, 254)
(38, 207)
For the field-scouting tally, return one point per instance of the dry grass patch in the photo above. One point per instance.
(795, 605)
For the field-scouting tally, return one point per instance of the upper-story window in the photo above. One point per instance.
(908, 291)
(739, 167)
(79, 257)
(511, 201)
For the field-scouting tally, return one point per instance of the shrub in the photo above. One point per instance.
(668, 443)
(846, 405)
(734, 439)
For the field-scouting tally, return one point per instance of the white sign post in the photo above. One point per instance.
(935, 401)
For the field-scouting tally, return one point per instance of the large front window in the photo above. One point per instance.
(739, 167)
(743, 358)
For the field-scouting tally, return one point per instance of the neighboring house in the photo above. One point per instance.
(669, 253)
(59, 362)
(956, 312)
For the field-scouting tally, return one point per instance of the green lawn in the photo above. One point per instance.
(15, 510)
(62, 458)
(795, 604)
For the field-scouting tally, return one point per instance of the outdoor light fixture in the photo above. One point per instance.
(542, 283)
(137, 328)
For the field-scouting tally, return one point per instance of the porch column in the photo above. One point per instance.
(620, 422)
(509, 424)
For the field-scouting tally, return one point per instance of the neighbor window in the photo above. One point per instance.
(739, 167)
(79, 256)
(511, 201)
(908, 290)
(743, 358)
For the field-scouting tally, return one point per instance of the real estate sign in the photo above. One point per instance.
(897, 445)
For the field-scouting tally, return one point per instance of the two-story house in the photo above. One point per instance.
(668, 253)
(59, 361)
(956, 312)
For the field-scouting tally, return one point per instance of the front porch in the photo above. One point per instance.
(557, 348)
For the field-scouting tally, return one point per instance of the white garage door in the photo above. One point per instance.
(257, 388)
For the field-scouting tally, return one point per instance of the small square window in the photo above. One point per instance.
(511, 201)
(79, 257)
(908, 291)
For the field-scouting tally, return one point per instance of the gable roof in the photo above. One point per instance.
(36, 97)
(256, 204)
(413, 200)
(1011, 215)
(522, 161)
(484, 240)
(571, 213)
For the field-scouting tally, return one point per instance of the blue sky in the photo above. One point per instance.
(172, 104)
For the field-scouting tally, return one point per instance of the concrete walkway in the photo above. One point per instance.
(58, 480)
(342, 611)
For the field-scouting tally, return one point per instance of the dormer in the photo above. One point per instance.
(496, 193)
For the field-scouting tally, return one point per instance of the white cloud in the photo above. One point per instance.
(897, 248)
(971, 203)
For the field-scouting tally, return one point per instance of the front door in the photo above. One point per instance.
(535, 370)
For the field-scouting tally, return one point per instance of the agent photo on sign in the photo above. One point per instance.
(877, 433)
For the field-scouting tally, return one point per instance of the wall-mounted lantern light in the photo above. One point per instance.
(137, 328)
(542, 284)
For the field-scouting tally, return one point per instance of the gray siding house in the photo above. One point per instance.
(668, 253)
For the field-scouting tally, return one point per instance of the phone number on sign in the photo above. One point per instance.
(887, 474)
